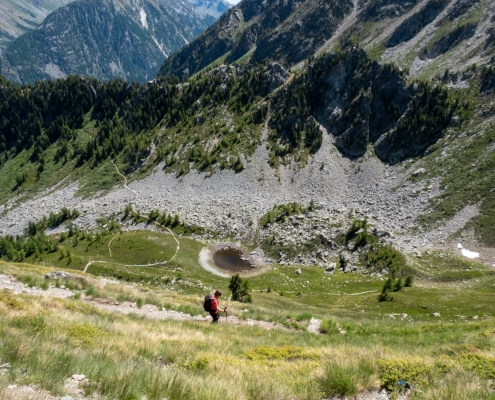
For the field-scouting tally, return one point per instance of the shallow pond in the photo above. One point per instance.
(231, 259)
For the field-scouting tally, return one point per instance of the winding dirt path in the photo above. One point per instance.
(141, 215)
(125, 180)
(109, 243)
(147, 310)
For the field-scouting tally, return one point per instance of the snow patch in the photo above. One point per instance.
(143, 16)
(185, 40)
(469, 254)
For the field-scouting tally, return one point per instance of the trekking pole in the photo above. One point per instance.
(226, 315)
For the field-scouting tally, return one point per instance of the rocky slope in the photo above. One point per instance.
(358, 136)
(348, 174)
(20, 16)
(281, 30)
(420, 36)
(104, 39)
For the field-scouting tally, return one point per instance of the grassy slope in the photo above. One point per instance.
(72, 337)
(313, 292)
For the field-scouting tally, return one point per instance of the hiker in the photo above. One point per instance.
(212, 305)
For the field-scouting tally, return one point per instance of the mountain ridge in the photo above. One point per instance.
(20, 16)
(107, 40)
(387, 30)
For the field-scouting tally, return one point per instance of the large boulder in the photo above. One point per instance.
(62, 275)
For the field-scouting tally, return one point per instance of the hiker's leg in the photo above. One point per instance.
(216, 317)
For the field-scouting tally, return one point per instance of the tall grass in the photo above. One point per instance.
(348, 379)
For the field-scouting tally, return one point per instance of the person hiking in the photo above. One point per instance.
(212, 305)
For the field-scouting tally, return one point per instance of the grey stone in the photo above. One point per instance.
(61, 275)
(436, 314)
(298, 271)
(5, 366)
(331, 267)
(419, 171)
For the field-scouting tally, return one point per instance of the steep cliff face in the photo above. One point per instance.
(416, 22)
(363, 103)
(104, 39)
(453, 33)
(282, 30)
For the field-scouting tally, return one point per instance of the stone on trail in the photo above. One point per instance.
(61, 275)
(419, 172)
(330, 268)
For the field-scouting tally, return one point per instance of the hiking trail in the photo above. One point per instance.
(141, 215)
(150, 311)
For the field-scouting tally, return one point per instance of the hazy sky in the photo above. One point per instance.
(234, 1)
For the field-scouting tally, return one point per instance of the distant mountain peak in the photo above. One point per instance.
(107, 39)
(214, 8)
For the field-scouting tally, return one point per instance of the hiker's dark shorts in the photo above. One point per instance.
(215, 316)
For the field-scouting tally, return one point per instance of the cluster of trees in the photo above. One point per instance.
(280, 212)
(18, 248)
(36, 116)
(358, 232)
(240, 289)
(162, 218)
(429, 112)
(393, 284)
(52, 221)
(35, 242)
(487, 79)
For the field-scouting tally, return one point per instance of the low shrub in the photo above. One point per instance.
(280, 353)
(385, 258)
(328, 326)
(91, 291)
(304, 317)
(33, 323)
(481, 365)
(200, 363)
(85, 333)
(398, 373)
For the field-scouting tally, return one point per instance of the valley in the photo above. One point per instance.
(327, 165)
